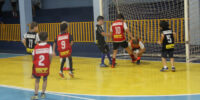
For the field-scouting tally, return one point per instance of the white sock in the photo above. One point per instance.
(165, 66)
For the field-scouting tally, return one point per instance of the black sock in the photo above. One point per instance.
(70, 63)
(62, 64)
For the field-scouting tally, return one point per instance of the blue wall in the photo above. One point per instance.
(7, 6)
(53, 4)
(78, 49)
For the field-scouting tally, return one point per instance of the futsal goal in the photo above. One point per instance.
(143, 18)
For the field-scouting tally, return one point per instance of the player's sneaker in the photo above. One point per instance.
(138, 62)
(66, 68)
(134, 60)
(103, 65)
(71, 74)
(173, 69)
(61, 74)
(113, 66)
(164, 69)
(43, 96)
(34, 98)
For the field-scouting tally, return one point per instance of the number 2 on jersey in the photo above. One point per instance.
(41, 59)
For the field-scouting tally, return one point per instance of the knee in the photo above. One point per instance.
(37, 80)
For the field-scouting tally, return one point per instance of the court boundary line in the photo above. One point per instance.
(17, 55)
(68, 94)
(48, 92)
(142, 60)
(99, 58)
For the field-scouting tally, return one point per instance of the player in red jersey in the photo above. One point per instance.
(42, 55)
(137, 46)
(64, 42)
(118, 29)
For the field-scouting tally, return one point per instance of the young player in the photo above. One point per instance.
(137, 47)
(64, 41)
(103, 47)
(42, 55)
(168, 42)
(118, 29)
(31, 38)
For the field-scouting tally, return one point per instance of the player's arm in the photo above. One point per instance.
(71, 40)
(111, 31)
(100, 30)
(105, 34)
(54, 48)
(162, 38)
(50, 54)
(127, 31)
(33, 54)
(174, 35)
(142, 48)
(24, 40)
(37, 38)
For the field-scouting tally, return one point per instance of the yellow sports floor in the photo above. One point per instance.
(126, 79)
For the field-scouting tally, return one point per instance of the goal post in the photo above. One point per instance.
(97, 10)
(186, 18)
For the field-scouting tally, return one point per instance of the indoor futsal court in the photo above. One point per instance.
(99, 49)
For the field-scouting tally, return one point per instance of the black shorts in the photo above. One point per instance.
(116, 45)
(169, 53)
(38, 77)
(103, 48)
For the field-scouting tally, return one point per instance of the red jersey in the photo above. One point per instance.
(41, 60)
(63, 43)
(118, 31)
(134, 46)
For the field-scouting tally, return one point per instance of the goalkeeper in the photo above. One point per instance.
(138, 48)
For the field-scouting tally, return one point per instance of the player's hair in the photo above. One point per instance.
(100, 18)
(164, 25)
(136, 40)
(33, 24)
(120, 16)
(43, 36)
(63, 27)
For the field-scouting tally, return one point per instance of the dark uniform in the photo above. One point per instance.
(168, 44)
(31, 41)
(101, 43)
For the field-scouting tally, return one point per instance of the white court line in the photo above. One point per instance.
(68, 94)
(142, 60)
(48, 92)
(16, 55)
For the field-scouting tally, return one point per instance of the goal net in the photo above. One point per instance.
(143, 18)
